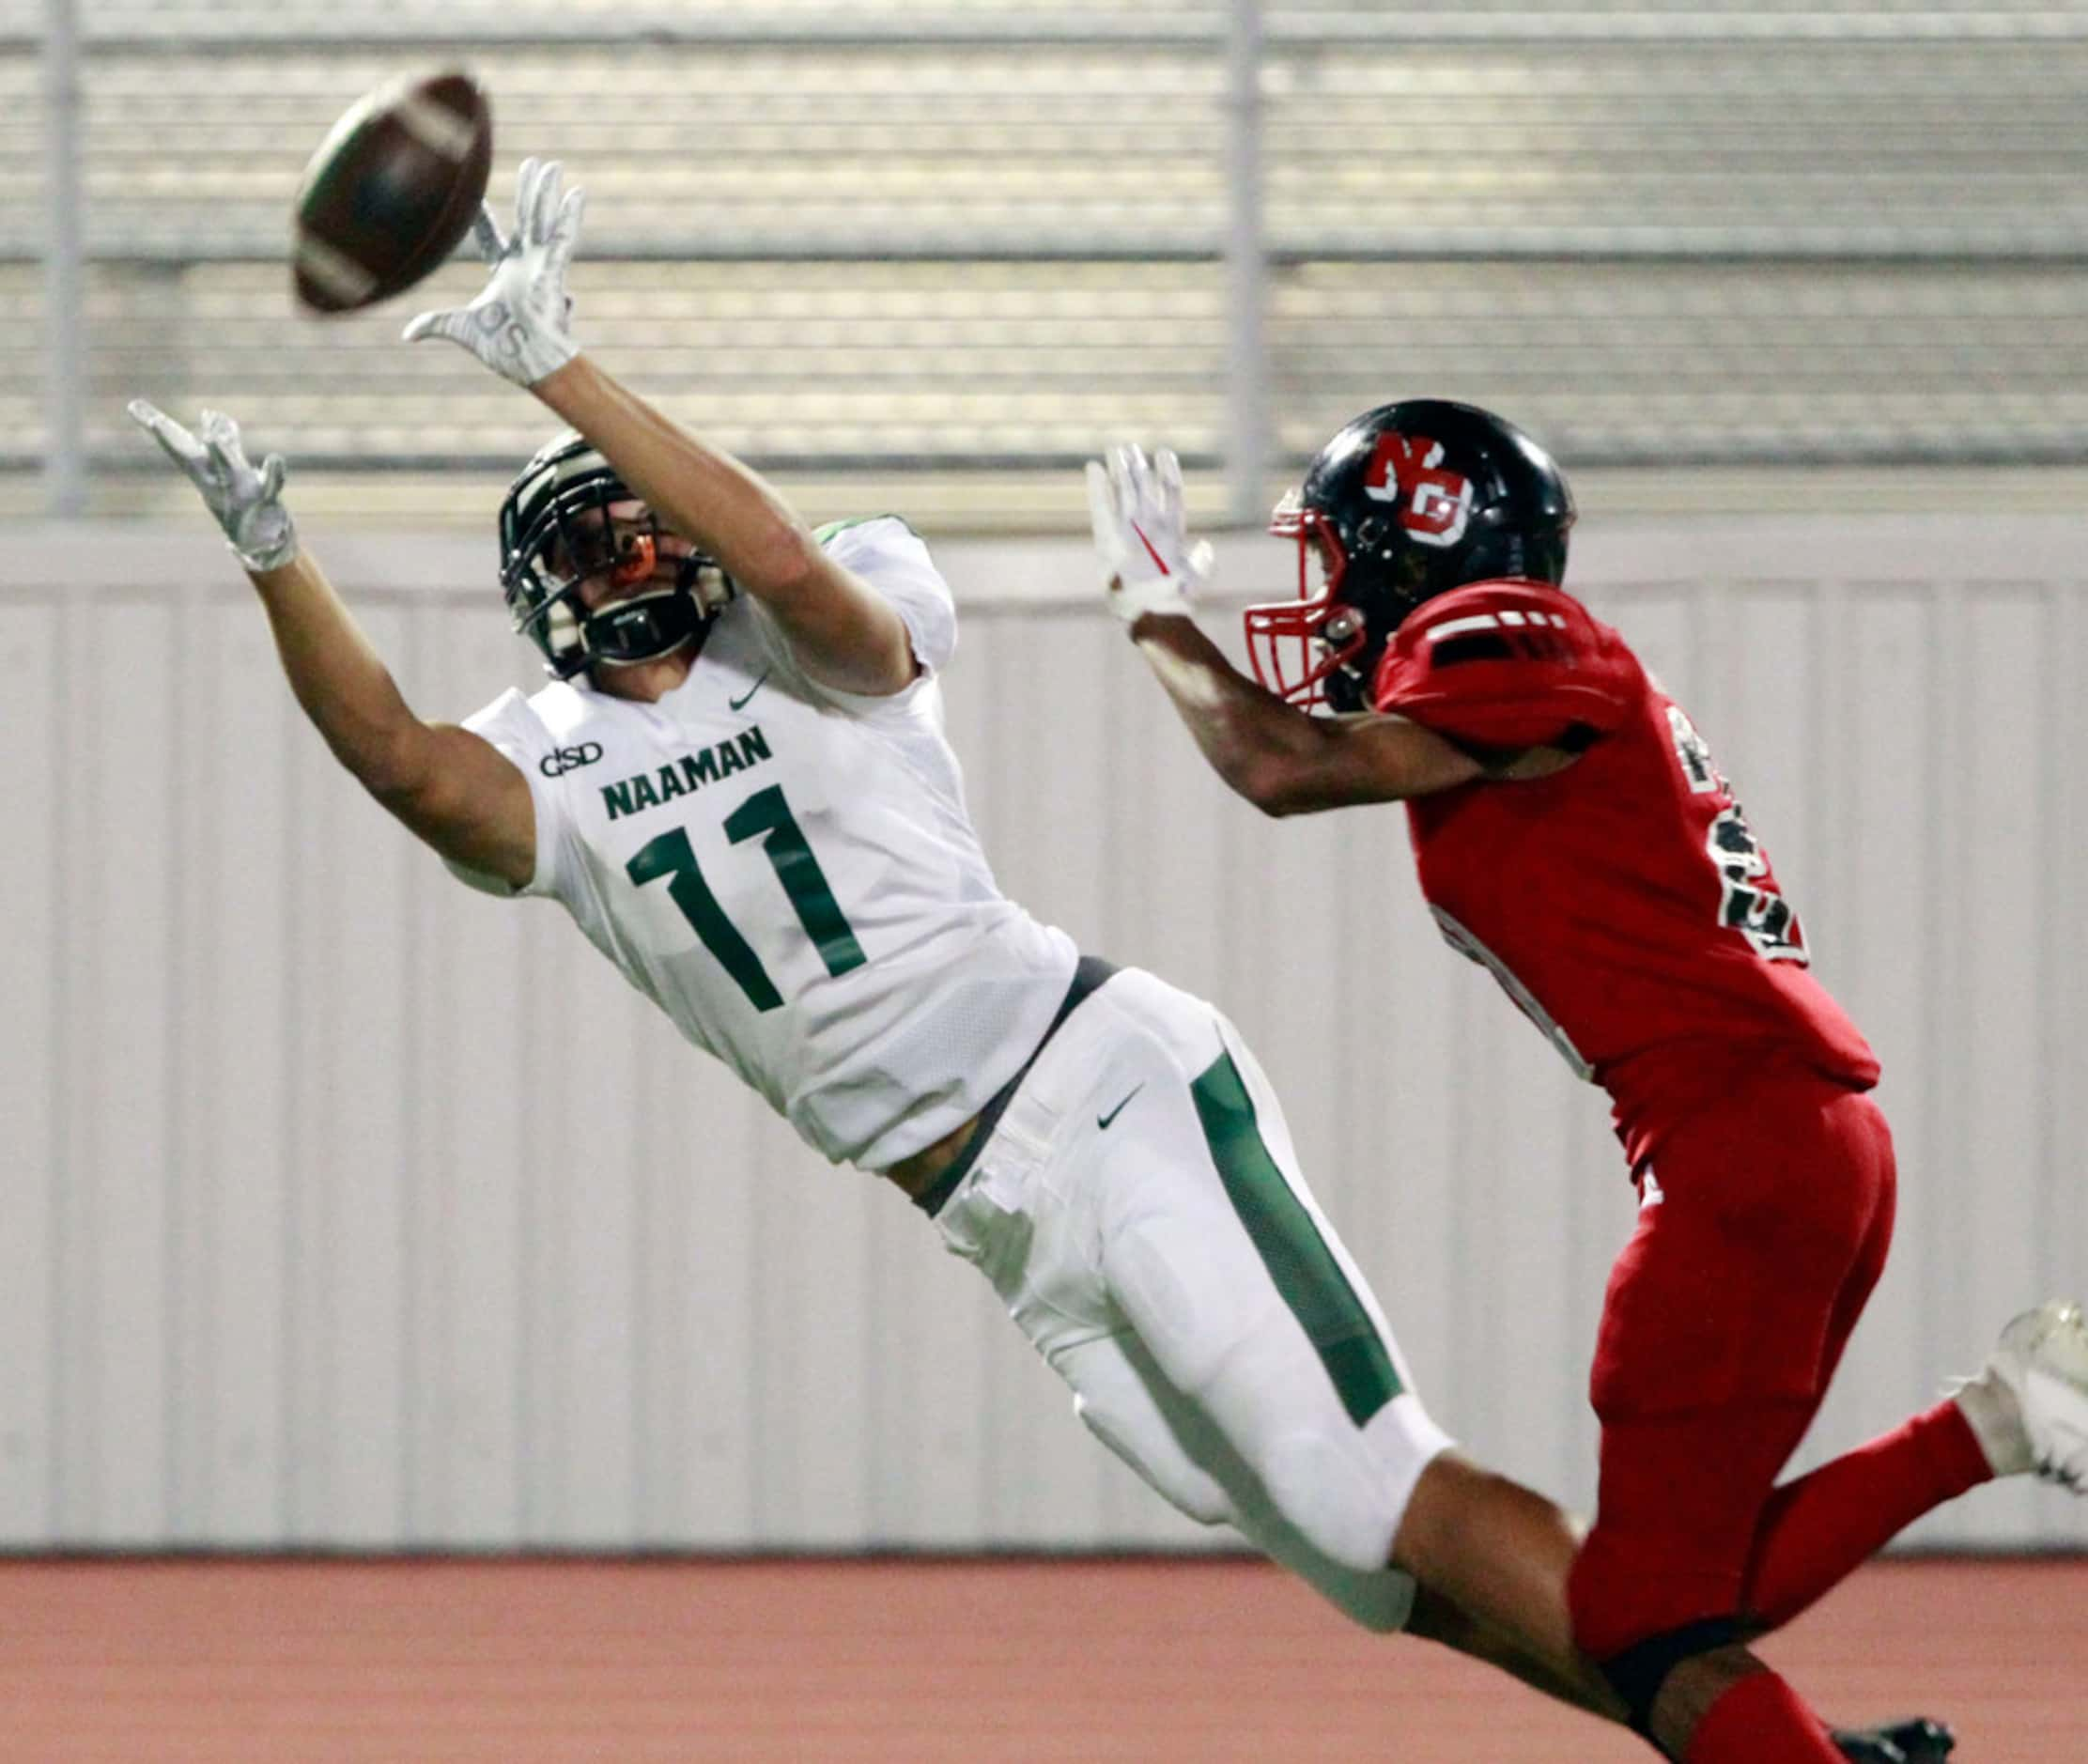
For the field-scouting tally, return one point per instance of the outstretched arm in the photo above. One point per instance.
(842, 632)
(1278, 757)
(1281, 759)
(449, 786)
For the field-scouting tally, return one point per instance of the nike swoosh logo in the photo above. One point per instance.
(1103, 1121)
(740, 702)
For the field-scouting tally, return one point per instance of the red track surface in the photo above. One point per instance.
(915, 1661)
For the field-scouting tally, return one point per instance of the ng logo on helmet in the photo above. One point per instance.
(1408, 469)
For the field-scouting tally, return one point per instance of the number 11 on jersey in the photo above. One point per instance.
(765, 813)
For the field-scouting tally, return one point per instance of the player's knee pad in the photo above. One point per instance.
(1170, 1471)
(1637, 1673)
(1334, 1498)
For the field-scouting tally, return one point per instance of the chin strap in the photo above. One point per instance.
(704, 582)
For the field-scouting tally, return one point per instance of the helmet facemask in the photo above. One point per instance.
(1317, 649)
(569, 521)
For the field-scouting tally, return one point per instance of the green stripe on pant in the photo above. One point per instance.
(1305, 1274)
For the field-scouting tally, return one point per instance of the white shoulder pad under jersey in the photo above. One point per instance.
(790, 872)
(886, 552)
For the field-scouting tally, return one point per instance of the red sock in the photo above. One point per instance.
(1818, 1529)
(1760, 1720)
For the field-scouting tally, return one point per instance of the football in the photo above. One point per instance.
(392, 189)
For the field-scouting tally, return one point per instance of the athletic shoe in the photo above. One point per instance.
(1867, 1745)
(1914, 1741)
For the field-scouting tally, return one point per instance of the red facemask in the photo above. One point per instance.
(1294, 644)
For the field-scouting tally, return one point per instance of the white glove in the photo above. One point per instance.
(518, 324)
(1148, 563)
(245, 501)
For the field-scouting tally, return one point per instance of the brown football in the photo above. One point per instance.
(392, 189)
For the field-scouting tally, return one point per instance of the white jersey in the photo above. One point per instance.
(789, 872)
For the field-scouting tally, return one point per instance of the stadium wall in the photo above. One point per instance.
(346, 1208)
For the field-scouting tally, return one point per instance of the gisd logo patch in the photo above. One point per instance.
(560, 761)
(1433, 505)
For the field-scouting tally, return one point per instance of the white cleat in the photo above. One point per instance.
(2029, 1405)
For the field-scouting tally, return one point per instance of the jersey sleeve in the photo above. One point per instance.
(520, 736)
(1508, 665)
(889, 555)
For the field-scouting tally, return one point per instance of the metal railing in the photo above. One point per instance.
(1272, 93)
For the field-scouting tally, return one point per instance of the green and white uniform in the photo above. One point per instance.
(789, 872)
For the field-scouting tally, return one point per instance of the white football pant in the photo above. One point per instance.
(1139, 1210)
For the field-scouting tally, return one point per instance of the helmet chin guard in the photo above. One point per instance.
(644, 627)
(1408, 501)
(557, 534)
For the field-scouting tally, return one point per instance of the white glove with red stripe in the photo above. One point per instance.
(1141, 535)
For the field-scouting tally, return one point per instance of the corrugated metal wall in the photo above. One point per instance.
(339, 1205)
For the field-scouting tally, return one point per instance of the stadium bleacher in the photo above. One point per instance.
(939, 252)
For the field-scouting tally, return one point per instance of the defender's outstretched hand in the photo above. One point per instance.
(1141, 535)
(246, 503)
(517, 326)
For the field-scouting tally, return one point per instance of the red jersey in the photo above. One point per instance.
(1624, 903)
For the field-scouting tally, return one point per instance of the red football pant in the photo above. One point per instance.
(1759, 1239)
